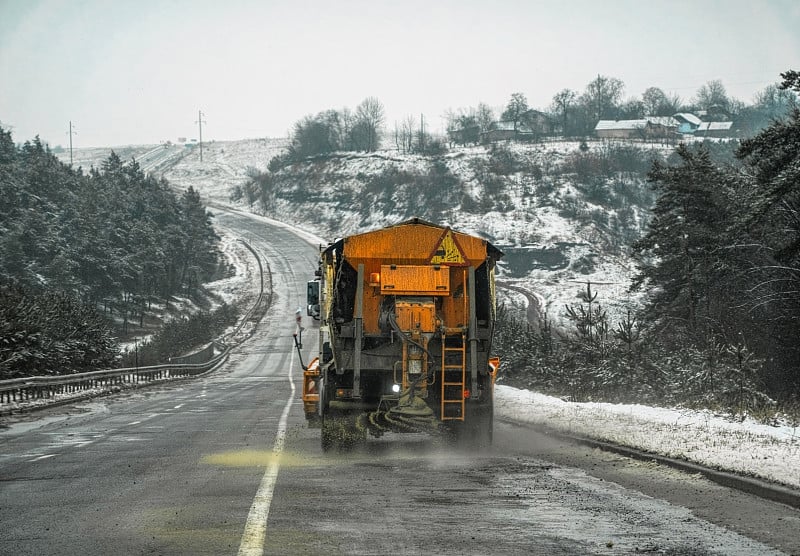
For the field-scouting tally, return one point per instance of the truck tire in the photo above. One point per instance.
(476, 432)
(482, 425)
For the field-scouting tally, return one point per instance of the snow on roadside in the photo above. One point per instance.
(240, 285)
(750, 448)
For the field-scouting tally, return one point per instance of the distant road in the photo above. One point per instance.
(158, 157)
(225, 464)
(149, 157)
(534, 310)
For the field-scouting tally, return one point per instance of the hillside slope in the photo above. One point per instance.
(563, 214)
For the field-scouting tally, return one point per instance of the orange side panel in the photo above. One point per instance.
(414, 280)
(310, 393)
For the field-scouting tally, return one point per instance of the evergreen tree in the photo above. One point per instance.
(72, 243)
(679, 251)
(198, 254)
(772, 255)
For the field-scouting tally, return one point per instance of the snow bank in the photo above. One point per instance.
(746, 447)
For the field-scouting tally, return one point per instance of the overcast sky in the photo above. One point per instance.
(138, 71)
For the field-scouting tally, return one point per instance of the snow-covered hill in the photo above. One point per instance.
(225, 165)
(559, 224)
(522, 197)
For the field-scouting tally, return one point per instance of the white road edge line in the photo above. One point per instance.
(255, 530)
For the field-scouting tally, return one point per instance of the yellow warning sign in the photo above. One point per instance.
(448, 251)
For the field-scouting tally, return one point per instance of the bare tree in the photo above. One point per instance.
(368, 129)
(404, 134)
(343, 125)
(463, 126)
(398, 137)
(776, 101)
(656, 102)
(515, 108)
(713, 95)
(561, 103)
(674, 105)
(632, 109)
(485, 117)
(602, 96)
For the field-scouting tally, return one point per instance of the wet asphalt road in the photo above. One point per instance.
(182, 469)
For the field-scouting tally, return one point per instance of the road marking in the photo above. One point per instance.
(43, 457)
(255, 530)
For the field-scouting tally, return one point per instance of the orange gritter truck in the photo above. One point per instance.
(407, 315)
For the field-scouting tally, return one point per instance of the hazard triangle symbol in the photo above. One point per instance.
(448, 251)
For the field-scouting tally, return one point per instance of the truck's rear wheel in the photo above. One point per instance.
(477, 430)
(482, 425)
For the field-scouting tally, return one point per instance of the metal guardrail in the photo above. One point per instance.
(43, 391)
(50, 387)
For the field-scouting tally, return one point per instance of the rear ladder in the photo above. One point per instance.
(454, 374)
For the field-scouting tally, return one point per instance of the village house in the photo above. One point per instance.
(649, 128)
(661, 127)
(504, 131)
(714, 129)
(687, 123)
(530, 126)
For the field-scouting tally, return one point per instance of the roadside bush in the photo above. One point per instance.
(624, 362)
(279, 161)
(587, 166)
(501, 160)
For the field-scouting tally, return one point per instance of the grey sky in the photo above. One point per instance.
(128, 72)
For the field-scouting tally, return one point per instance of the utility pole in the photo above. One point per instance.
(71, 133)
(200, 123)
(422, 132)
